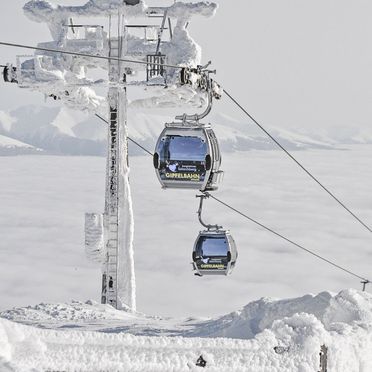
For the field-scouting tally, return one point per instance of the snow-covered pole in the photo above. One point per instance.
(118, 281)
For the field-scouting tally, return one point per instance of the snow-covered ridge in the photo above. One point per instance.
(63, 131)
(54, 130)
(10, 146)
(349, 307)
(137, 342)
(10, 142)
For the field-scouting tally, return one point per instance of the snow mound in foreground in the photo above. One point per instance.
(348, 307)
(342, 322)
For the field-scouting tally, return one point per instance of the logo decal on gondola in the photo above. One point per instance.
(183, 176)
(212, 266)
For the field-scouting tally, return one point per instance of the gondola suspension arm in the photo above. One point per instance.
(197, 117)
(206, 83)
(207, 226)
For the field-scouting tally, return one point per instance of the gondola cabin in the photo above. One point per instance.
(187, 156)
(214, 253)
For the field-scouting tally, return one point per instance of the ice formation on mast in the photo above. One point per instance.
(109, 237)
(52, 73)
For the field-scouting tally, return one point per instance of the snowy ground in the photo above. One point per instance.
(43, 200)
(241, 341)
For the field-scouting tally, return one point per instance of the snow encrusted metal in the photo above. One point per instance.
(94, 244)
(66, 78)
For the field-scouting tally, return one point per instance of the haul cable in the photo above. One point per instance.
(297, 162)
(364, 280)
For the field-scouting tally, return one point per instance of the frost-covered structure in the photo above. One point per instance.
(66, 77)
(267, 335)
(137, 54)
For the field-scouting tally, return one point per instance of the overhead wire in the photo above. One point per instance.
(287, 239)
(343, 205)
(298, 163)
(364, 280)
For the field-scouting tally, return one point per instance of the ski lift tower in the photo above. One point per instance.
(118, 278)
(109, 236)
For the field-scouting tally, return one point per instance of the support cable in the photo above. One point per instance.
(298, 163)
(288, 240)
(130, 139)
(364, 281)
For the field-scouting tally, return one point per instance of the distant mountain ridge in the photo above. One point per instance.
(61, 131)
(50, 129)
(10, 146)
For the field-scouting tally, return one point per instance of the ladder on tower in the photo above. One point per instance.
(110, 282)
(155, 62)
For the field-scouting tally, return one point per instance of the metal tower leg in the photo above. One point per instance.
(118, 280)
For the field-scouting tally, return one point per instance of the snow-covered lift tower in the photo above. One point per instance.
(109, 236)
(118, 278)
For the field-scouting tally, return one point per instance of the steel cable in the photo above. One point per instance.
(364, 280)
(286, 239)
(298, 163)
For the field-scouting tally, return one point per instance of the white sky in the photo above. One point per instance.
(293, 63)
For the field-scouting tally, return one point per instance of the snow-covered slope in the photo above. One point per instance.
(59, 130)
(63, 131)
(11, 146)
(51, 129)
(241, 341)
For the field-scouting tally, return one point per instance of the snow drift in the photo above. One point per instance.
(240, 341)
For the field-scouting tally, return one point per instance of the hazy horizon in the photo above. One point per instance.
(290, 63)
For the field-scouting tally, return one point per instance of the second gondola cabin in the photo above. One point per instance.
(187, 156)
(214, 253)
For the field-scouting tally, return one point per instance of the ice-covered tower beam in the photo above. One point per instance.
(118, 279)
(109, 238)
